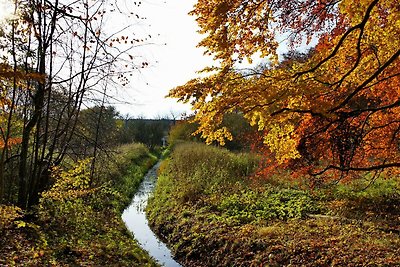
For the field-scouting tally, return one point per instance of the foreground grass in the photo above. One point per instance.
(211, 214)
(76, 224)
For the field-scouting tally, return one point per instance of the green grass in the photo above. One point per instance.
(213, 212)
(78, 225)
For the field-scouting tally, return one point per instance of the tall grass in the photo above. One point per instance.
(201, 169)
(128, 169)
(195, 173)
(212, 212)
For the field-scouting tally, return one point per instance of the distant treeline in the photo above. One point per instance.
(103, 127)
(151, 132)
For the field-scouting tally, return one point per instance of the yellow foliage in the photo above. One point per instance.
(70, 184)
(355, 40)
(8, 214)
(281, 141)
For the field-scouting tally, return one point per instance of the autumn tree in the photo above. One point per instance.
(60, 55)
(333, 111)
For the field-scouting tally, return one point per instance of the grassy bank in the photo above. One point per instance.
(78, 223)
(211, 212)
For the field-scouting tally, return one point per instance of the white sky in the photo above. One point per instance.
(172, 64)
(6, 8)
(174, 58)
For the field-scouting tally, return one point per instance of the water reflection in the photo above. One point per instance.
(135, 220)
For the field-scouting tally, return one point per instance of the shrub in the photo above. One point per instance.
(250, 205)
(82, 221)
(182, 131)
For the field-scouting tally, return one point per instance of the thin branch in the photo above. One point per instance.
(367, 81)
(347, 169)
(341, 41)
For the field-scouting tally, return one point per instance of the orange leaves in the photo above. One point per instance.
(237, 29)
(10, 142)
(230, 34)
(10, 78)
(333, 108)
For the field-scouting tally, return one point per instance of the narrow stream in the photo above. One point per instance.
(135, 220)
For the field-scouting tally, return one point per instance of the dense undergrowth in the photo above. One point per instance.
(76, 223)
(212, 211)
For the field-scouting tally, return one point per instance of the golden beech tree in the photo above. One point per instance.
(331, 111)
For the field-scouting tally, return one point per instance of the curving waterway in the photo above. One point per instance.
(135, 220)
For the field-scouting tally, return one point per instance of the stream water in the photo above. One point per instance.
(135, 220)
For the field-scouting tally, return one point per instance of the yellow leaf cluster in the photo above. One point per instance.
(70, 184)
(9, 214)
(281, 141)
(343, 73)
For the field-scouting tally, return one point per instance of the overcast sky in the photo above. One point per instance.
(174, 59)
(6, 8)
(172, 64)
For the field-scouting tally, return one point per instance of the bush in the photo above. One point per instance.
(182, 131)
(248, 205)
(83, 222)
